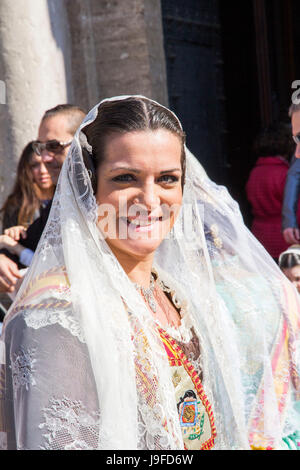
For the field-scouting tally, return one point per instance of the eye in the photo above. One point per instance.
(125, 178)
(168, 179)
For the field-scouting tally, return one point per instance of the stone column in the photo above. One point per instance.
(117, 48)
(34, 41)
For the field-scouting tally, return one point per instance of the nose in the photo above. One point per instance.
(148, 196)
(43, 168)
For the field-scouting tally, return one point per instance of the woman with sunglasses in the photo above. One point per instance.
(150, 318)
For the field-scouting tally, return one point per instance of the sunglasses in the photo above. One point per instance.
(53, 146)
(296, 138)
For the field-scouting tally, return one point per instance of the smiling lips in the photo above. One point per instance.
(45, 180)
(143, 224)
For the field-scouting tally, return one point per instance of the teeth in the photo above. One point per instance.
(142, 222)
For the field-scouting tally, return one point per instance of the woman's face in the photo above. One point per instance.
(293, 274)
(139, 190)
(40, 173)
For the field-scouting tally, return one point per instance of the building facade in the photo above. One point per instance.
(225, 67)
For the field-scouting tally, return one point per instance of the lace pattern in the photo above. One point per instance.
(69, 426)
(23, 368)
(40, 318)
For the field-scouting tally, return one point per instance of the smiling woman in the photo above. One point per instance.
(144, 185)
(144, 335)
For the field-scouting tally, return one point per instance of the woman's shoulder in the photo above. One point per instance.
(47, 291)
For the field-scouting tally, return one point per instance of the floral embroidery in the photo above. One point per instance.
(67, 422)
(23, 368)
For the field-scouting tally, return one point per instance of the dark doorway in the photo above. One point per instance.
(192, 39)
(258, 39)
(230, 65)
(241, 87)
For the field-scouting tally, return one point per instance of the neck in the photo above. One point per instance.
(138, 270)
(44, 194)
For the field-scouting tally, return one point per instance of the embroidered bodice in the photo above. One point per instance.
(194, 410)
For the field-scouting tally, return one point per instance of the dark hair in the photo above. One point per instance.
(294, 108)
(74, 114)
(290, 260)
(188, 394)
(23, 201)
(122, 116)
(275, 140)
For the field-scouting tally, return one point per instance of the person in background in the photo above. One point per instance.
(57, 127)
(265, 186)
(33, 190)
(289, 263)
(290, 224)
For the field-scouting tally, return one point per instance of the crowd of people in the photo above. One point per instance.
(273, 190)
(148, 340)
(273, 149)
(25, 211)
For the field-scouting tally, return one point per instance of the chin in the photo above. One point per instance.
(138, 249)
(138, 246)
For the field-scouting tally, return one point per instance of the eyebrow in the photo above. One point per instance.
(135, 170)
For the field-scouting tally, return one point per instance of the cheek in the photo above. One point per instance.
(108, 209)
(175, 202)
(35, 174)
(60, 158)
(105, 195)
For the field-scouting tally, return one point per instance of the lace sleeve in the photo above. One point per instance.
(47, 381)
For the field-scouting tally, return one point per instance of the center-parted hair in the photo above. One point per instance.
(129, 115)
(290, 259)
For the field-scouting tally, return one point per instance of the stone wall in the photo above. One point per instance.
(117, 48)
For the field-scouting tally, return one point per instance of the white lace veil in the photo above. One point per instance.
(83, 348)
